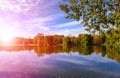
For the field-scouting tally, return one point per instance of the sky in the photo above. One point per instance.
(26, 18)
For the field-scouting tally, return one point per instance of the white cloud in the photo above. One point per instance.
(68, 31)
(18, 5)
(68, 24)
(40, 22)
(44, 16)
(45, 19)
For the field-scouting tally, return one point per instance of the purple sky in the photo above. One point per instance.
(26, 18)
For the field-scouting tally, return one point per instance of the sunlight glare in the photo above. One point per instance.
(6, 34)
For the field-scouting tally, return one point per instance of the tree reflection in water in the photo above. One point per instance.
(82, 50)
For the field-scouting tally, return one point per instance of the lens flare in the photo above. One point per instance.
(6, 34)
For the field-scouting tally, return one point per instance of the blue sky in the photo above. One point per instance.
(26, 18)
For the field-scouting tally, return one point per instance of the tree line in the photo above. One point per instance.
(111, 39)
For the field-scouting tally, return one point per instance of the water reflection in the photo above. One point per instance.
(58, 62)
(82, 50)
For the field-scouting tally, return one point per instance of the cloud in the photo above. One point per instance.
(27, 7)
(42, 23)
(68, 31)
(45, 19)
(18, 5)
(72, 28)
(30, 17)
(68, 24)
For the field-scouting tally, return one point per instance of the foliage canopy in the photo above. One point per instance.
(96, 15)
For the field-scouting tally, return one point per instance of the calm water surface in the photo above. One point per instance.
(59, 64)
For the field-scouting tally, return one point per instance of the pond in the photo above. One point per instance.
(59, 62)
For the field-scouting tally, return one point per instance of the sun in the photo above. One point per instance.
(6, 34)
(6, 37)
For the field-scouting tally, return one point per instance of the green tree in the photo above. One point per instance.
(113, 39)
(85, 39)
(96, 15)
(66, 43)
(74, 40)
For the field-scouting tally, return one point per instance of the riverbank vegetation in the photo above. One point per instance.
(111, 40)
(97, 16)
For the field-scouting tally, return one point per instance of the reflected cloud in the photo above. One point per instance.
(77, 51)
(47, 61)
(22, 62)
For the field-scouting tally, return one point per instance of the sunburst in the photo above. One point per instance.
(6, 34)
